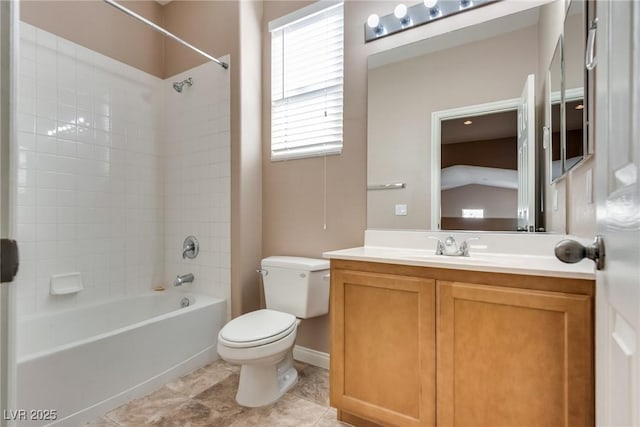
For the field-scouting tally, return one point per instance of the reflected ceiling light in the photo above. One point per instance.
(579, 107)
(467, 122)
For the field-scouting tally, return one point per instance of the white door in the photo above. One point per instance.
(618, 213)
(8, 31)
(527, 157)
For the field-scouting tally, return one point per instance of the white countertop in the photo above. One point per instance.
(482, 258)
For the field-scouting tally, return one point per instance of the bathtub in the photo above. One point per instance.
(84, 362)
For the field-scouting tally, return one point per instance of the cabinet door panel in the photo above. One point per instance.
(383, 347)
(513, 357)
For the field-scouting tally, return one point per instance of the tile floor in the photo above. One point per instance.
(206, 397)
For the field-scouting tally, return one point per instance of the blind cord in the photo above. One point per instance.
(324, 194)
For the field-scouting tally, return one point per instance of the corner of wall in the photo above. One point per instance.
(247, 165)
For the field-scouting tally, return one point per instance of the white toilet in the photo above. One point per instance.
(262, 341)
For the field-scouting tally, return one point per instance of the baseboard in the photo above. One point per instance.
(312, 357)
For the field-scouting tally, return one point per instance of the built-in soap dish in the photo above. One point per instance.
(62, 284)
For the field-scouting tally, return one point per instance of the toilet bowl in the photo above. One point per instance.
(262, 341)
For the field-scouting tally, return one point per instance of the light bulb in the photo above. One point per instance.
(400, 11)
(373, 21)
(430, 3)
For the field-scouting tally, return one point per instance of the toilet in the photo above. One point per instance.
(262, 341)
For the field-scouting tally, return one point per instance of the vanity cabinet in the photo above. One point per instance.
(422, 346)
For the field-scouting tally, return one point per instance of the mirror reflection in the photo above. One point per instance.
(555, 124)
(479, 176)
(574, 77)
(483, 64)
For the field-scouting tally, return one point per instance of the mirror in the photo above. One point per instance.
(487, 63)
(554, 125)
(574, 86)
(479, 190)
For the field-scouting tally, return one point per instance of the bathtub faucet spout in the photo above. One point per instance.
(182, 279)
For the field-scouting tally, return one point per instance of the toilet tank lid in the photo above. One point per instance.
(296, 263)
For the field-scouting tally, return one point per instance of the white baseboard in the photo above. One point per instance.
(312, 357)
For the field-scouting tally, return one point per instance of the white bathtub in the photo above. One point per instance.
(86, 361)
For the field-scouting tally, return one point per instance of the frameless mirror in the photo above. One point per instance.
(451, 77)
(574, 84)
(555, 126)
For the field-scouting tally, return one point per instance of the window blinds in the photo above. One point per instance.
(307, 86)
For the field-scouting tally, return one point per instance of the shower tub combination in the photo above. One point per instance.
(86, 361)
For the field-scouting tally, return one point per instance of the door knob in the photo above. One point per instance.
(570, 251)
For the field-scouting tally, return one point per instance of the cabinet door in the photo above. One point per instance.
(383, 347)
(513, 357)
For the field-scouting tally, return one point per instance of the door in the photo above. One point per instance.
(527, 157)
(618, 213)
(8, 30)
(513, 357)
(383, 347)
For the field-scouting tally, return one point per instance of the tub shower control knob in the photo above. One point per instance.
(190, 248)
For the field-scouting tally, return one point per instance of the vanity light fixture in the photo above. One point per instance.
(405, 17)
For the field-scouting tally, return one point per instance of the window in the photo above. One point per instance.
(307, 82)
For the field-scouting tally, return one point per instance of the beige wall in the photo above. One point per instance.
(402, 97)
(212, 26)
(102, 28)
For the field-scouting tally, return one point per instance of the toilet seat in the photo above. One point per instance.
(257, 328)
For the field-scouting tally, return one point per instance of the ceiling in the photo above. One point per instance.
(483, 128)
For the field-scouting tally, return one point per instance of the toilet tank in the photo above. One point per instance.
(296, 285)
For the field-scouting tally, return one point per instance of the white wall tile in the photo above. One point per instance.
(190, 149)
(115, 169)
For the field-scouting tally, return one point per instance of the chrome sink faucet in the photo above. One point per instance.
(451, 248)
(182, 279)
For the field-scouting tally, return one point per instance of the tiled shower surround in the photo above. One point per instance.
(114, 170)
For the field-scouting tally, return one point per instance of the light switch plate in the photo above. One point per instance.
(401, 210)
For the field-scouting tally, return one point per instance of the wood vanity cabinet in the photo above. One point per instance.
(419, 346)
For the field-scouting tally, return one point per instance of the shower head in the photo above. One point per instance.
(179, 85)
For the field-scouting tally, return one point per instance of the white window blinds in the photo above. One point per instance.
(307, 86)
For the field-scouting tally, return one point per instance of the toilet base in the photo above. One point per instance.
(261, 385)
